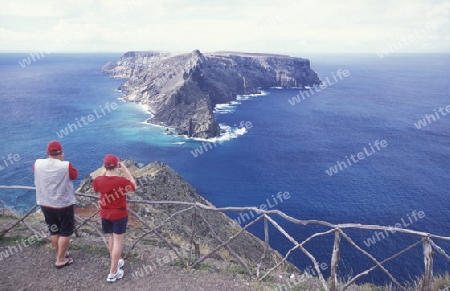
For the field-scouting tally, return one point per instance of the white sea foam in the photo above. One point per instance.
(226, 133)
(224, 108)
(248, 96)
(146, 108)
(179, 143)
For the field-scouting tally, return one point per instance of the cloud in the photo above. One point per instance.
(278, 26)
(30, 9)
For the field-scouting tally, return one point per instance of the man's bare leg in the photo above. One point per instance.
(54, 240)
(63, 245)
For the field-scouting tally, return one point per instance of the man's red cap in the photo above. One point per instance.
(110, 161)
(54, 148)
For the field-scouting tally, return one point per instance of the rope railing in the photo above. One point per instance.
(426, 239)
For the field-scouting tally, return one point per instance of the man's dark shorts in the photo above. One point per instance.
(118, 226)
(60, 221)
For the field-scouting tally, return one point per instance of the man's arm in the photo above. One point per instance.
(73, 173)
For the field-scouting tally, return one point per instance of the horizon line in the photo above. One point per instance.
(150, 50)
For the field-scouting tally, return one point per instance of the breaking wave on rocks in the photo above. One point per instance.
(249, 96)
(231, 132)
(226, 108)
(226, 133)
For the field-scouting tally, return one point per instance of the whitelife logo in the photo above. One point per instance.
(305, 94)
(361, 156)
(378, 235)
(280, 198)
(429, 118)
(71, 127)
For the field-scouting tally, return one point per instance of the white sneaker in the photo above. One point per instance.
(121, 263)
(114, 277)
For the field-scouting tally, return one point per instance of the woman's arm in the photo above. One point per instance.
(127, 174)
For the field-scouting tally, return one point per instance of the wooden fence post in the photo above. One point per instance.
(191, 239)
(428, 260)
(335, 260)
(266, 247)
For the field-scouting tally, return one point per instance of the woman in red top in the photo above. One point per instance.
(115, 181)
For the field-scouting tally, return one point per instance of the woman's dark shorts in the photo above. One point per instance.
(118, 226)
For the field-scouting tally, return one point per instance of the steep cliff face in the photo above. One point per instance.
(182, 90)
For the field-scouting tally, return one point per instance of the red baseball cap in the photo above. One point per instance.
(110, 161)
(54, 148)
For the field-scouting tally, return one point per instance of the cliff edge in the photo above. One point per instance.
(181, 90)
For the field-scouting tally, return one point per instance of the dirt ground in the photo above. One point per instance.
(32, 269)
(30, 266)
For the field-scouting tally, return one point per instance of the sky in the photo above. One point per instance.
(265, 26)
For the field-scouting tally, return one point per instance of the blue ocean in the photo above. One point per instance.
(370, 147)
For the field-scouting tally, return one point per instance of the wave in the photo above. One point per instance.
(230, 107)
(248, 96)
(147, 109)
(226, 133)
(292, 88)
(179, 143)
(224, 108)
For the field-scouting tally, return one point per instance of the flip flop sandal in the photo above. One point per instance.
(68, 263)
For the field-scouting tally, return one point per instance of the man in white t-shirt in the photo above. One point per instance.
(56, 196)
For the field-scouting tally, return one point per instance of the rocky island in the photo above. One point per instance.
(181, 90)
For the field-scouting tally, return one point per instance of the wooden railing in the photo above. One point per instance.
(427, 240)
